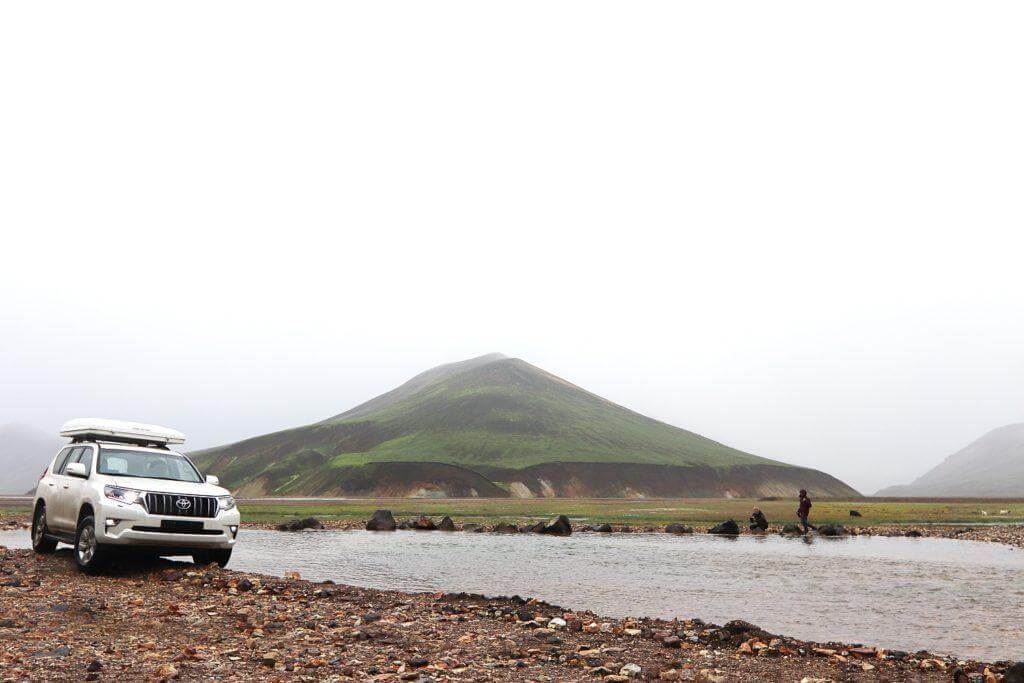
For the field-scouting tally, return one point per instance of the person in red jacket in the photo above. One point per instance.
(804, 511)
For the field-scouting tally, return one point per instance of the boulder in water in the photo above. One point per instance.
(560, 526)
(537, 528)
(446, 524)
(792, 530)
(300, 524)
(832, 530)
(382, 520)
(506, 528)
(678, 529)
(727, 528)
(603, 528)
(423, 523)
(473, 528)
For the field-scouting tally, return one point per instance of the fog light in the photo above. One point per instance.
(234, 530)
(112, 522)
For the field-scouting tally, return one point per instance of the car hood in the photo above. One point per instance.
(167, 486)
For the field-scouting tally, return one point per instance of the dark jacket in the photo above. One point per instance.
(759, 521)
(805, 507)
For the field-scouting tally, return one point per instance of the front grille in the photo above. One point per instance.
(174, 505)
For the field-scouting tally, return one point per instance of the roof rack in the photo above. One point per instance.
(120, 431)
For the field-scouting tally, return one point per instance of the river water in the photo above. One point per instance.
(960, 597)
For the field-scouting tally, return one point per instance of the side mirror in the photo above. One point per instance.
(211, 479)
(76, 469)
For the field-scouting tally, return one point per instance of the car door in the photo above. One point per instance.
(74, 487)
(61, 505)
(51, 485)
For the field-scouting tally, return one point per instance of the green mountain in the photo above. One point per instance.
(496, 426)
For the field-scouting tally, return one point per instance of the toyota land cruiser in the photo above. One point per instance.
(117, 485)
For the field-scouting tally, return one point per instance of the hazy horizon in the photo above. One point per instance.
(804, 244)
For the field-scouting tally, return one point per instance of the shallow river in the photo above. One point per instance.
(958, 597)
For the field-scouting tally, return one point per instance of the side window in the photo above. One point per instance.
(62, 459)
(85, 457)
(71, 458)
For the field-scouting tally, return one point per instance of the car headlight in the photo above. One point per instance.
(226, 503)
(122, 495)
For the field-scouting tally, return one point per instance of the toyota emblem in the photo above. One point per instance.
(183, 503)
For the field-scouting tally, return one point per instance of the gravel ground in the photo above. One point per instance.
(164, 620)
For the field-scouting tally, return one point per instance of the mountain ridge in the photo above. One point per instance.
(991, 466)
(511, 424)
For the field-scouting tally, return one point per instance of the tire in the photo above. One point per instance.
(220, 557)
(40, 543)
(90, 555)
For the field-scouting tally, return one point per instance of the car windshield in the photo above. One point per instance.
(149, 464)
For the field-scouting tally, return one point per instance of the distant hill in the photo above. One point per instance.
(24, 452)
(991, 467)
(496, 426)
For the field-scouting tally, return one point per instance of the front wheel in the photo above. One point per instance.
(90, 555)
(40, 542)
(220, 557)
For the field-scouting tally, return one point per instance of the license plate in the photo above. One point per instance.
(177, 525)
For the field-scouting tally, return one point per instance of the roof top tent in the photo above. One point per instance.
(122, 431)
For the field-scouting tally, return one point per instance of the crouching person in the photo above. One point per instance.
(758, 522)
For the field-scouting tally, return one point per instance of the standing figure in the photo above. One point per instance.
(804, 511)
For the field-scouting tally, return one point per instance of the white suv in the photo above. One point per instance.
(118, 485)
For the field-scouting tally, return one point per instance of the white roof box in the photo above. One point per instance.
(120, 430)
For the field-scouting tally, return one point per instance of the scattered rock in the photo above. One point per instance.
(832, 530)
(792, 530)
(446, 524)
(1014, 674)
(506, 528)
(729, 528)
(678, 529)
(913, 533)
(738, 626)
(167, 671)
(300, 524)
(560, 526)
(603, 528)
(630, 670)
(382, 520)
(537, 528)
(473, 528)
(424, 523)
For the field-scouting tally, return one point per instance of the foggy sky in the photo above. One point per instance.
(794, 229)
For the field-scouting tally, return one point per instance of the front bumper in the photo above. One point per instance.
(131, 525)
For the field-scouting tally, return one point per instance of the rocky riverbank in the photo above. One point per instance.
(165, 621)
(1006, 534)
